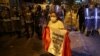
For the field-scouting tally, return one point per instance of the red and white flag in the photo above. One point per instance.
(56, 42)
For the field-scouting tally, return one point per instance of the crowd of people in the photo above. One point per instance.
(29, 19)
(89, 19)
(47, 20)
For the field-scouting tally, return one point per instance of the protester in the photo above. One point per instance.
(81, 19)
(28, 22)
(56, 46)
(71, 20)
(37, 17)
(16, 21)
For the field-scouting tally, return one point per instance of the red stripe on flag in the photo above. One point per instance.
(46, 38)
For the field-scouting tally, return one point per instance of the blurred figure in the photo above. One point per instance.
(98, 21)
(64, 10)
(52, 7)
(5, 13)
(60, 13)
(28, 22)
(81, 19)
(33, 11)
(44, 6)
(90, 22)
(57, 8)
(16, 21)
(47, 11)
(95, 30)
(43, 21)
(71, 20)
(37, 17)
(6, 21)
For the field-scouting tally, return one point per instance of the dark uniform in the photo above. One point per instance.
(81, 19)
(38, 28)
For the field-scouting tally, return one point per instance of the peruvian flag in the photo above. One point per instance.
(56, 42)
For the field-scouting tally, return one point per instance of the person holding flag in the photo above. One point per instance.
(55, 38)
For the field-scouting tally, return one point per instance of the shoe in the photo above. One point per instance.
(88, 33)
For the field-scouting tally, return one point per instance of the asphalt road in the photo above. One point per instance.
(80, 45)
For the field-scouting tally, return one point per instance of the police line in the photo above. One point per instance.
(92, 13)
(92, 17)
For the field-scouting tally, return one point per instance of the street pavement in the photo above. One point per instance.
(80, 45)
(84, 46)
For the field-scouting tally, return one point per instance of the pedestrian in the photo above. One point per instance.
(90, 19)
(37, 17)
(81, 21)
(6, 21)
(95, 30)
(28, 22)
(47, 11)
(16, 21)
(52, 38)
(71, 20)
(60, 13)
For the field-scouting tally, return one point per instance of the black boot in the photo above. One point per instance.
(88, 33)
(93, 32)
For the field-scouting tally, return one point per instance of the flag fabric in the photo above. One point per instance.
(46, 38)
(56, 42)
